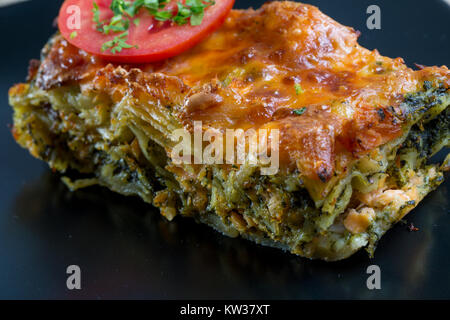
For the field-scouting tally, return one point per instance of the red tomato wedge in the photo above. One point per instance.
(155, 40)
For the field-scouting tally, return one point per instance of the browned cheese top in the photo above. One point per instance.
(259, 67)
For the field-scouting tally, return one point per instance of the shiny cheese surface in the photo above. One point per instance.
(258, 68)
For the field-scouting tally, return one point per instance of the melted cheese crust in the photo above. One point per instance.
(245, 74)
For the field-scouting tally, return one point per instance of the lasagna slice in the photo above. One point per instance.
(356, 129)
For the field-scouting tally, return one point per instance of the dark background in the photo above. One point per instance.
(126, 250)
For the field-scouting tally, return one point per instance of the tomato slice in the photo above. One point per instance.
(155, 40)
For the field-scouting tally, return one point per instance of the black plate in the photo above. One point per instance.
(126, 250)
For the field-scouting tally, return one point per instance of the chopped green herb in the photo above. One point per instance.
(118, 6)
(96, 17)
(117, 44)
(162, 15)
(300, 111)
(196, 19)
(298, 89)
(73, 35)
(226, 82)
(191, 11)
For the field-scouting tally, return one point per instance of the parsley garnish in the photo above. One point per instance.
(96, 17)
(191, 11)
(117, 44)
(298, 89)
(73, 35)
(300, 111)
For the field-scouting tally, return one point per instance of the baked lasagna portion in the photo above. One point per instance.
(356, 129)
